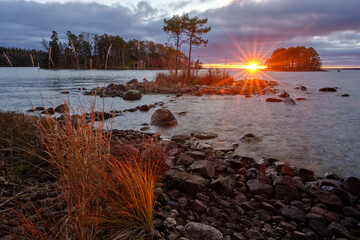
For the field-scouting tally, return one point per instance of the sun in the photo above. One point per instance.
(253, 66)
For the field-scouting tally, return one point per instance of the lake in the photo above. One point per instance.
(321, 133)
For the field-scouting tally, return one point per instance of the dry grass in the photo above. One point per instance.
(108, 190)
(211, 76)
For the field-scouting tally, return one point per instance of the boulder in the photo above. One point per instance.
(186, 182)
(204, 135)
(289, 101)
(250, 138)
(257, 187)
(301, 88)
(273, 100)
(203, 167)
(132, 95)
(328, 89)
(293, 213)
(328, 198)
(200, 231)
(352, 185)
(305, 174)
(163, 117)
(320, 228)
(144, 108)
(62, 108)
(284, 94)
(185, 159)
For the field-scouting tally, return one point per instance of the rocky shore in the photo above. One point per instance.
(213, 194)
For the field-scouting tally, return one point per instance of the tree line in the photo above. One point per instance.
(297, 58)
(21, 57)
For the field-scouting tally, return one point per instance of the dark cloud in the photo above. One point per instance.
(332, 27)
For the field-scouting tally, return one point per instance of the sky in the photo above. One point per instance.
(242, 30)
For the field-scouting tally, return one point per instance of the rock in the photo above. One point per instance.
(339, 231)
(199, 231)
(330, 175)
(293, 213)
(50, 111)
(300, 99)
(328, 89)
(185, 160)
(285, 192)
(170, 222)
(132, 95)
(144, 128)
(289, 101)
(39, 109)
(328, 215)
(239, 236)
(163, 117)
(186, 182)
(221, 185)
(199, 206)
(256, 187)
(65, 92)
(132, 82)
(352, 185)
(301, 88)
(203, 167)
(320, 228)
(273, 100)
(327, 198)
(144, 108)
(305, 174)
(250, 138)
(283, 94)
(345, 197)
(204, 135)
(345, 95)
(351, 212)
(180, 138)
(63, 108)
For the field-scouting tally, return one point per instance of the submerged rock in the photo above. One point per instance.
(301, 88)
(328, 89)
(163, 117)
(204, 135)
(284, 94)
(289, 101)
(273, 100)
(250, 138)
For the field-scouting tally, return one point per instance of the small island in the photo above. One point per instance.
(294, 59)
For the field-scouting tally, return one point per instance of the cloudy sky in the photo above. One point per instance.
(241, 29)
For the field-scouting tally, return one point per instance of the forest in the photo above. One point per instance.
(297, 58)
(87, 50)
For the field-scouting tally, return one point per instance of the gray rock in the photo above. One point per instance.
(169, 222)
(257, 187)
(163, 117)
(132, 95)
(199, 231)
(203, 167)
(283, 94)
(293, 213)
(301, 88)
(289, 101)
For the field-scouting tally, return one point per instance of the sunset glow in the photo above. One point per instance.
(253, 66)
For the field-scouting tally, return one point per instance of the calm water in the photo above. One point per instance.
(321, 133)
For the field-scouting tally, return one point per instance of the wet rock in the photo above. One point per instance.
(345, 95)
(300, 99)
(293, 213)
(185, 159)
(144, 108)
(199, 231)
(320, 228)
(301, 88)
(132, 95)
(283, 94)
(257, 187)
(163, 117)
(250, 138)
(328, 89)
(289, 101)
(180, 138)
(203, 167)
(273, 100)
(327, 198)
(352, 185)
(204, 135)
